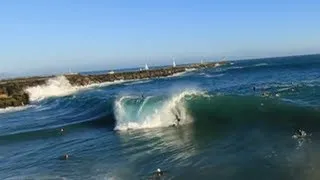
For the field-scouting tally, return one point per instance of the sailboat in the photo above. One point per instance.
(146, 67)
(71, 73)
(173, 64)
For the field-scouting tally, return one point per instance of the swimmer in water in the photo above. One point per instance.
(65, 157)
(158, 173)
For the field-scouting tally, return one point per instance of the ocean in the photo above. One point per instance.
(250, 119)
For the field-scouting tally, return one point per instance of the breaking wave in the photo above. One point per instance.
(133, 112)
(54, 87)
(60, 86)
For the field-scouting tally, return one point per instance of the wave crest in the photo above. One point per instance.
(132, 112)
(54, 87)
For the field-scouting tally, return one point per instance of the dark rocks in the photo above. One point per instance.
(12, 91)
(14, 100)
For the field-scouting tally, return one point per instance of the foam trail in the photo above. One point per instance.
(182, 73)
(261, 64)
(138, 82)
(15, 109)
(152, 112)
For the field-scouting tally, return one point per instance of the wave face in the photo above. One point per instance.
(132, 112)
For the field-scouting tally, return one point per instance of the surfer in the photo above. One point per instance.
(65, 157)
(178, 119)
(158, 174)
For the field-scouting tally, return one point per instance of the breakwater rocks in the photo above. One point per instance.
(82, 80)
(12, 92)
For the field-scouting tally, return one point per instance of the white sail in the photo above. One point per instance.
(173, 64)
(146, 67)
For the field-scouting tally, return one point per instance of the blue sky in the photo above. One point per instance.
(53, 36)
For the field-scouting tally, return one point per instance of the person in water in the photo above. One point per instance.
(64, 157)
(159, 173)
(178, 119)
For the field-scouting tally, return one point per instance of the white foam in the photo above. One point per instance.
(162, 116)
(190, 69)
(213, 76)
(60, 86)
(14, 109)
(261, 64)
(57, 86)
(138, 82)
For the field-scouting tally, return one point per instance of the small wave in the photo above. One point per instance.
(213, 75)
(187, 70)
(190, 69)
(134, 113)
(15, 109)
(235, 67)
(261, 64)
(138, 82)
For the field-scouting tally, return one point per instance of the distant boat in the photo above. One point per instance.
(173, 64)
(146, 67)
(111, 72)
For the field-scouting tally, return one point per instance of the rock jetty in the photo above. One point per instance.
(12, 91)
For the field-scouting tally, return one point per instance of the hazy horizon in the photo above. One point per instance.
(4, 75)
(53, 37)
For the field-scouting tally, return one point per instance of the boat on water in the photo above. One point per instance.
(146, 67)
(71, 73)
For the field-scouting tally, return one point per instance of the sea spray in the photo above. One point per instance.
(60, 86)
(132, 112)
(54, 87)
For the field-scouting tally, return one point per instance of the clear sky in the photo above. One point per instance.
(52, 36)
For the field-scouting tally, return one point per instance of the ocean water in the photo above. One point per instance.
(239, 121)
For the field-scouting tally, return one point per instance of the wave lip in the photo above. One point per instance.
(132, 112)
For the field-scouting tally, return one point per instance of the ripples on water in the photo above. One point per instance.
(122, 130)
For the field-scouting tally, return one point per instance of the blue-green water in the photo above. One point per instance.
(236, 122)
